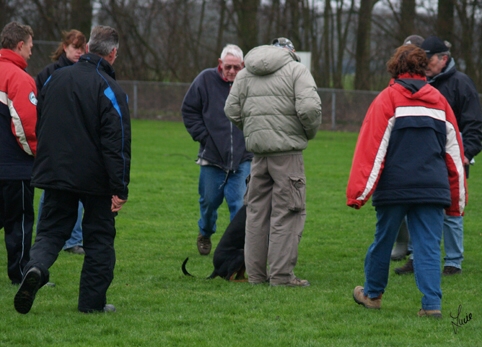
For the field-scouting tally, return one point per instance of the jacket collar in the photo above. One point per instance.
(64, 61)
(100, 62)
(411, 82)
(448, 71)
(11, 56)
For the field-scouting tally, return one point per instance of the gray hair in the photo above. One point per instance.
(13, 33)
(440, 55)
(103, 40)
(449, 45)
(233, 50)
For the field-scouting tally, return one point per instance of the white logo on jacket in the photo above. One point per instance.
(32, 98)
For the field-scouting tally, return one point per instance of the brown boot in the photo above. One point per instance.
(295, 282)
(451, 270)
(362, 299)
(405, 269)
(203, 245)
(430, 313)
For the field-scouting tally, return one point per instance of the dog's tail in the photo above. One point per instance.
(183, 267)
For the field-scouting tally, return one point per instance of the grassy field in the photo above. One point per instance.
(158, 306)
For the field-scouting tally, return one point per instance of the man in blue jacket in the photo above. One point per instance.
(224, 161)
(84, 150)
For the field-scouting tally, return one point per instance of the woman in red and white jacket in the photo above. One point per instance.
(409, 155)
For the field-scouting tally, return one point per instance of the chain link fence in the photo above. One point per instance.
(342, 110)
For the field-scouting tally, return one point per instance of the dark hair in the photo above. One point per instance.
(13, 33)
(407, 59)
(72, 37)
(103, 40)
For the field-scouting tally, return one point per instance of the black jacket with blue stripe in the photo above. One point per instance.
(83, 131)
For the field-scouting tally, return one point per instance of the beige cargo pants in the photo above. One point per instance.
(276, 216)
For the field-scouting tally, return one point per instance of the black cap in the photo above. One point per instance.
(413, 40)
(283, 43)
(433, 45)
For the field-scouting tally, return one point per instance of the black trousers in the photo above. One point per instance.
(16, 218)
(59, 214)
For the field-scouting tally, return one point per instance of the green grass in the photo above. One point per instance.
(158, 306)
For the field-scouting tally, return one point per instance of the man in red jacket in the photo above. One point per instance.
(18, 144)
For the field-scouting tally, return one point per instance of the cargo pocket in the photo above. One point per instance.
(297, 194)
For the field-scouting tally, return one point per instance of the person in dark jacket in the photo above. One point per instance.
(460, 92)
(67, 53)
(84, 150)
(18, 143)
(409, 155)
(224, 161)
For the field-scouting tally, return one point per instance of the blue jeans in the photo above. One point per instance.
(76, 235)
(425, 224)
(453, 231)
(215, 185)
(453, 236)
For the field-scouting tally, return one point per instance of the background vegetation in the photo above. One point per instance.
(173, 40)
(158, 306)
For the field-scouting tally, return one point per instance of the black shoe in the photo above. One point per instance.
(405, 269)
(203, 244)
(75, 250)
(451, 270)
(25, 296)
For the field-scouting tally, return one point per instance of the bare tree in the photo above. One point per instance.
(6, 12)
(222, 25)
(323, 76)
(247, 24)
(407, 19)
(343, 22)
(466, 11)
(444, 26)
(293, 20)
(173, 40)
(362, 74)
(81, 14)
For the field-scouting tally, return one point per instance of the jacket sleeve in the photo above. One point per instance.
(470, 120)
(370, 151)
(232, 108)
(308, 103)
(22, 105)
(454, 154)
(116, 140)
(192, 111)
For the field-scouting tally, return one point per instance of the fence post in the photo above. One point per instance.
(333, 110)
(134, 86)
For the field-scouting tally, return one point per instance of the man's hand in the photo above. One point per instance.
(117, 203)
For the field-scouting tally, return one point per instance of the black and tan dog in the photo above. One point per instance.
(228, 257)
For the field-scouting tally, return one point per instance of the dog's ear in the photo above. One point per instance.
(183, 268)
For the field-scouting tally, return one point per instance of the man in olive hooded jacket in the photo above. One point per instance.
(275, 102)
